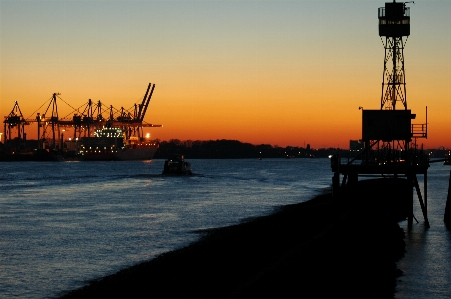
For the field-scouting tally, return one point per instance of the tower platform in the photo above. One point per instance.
(351, 173)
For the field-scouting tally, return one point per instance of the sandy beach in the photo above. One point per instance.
(327, 247)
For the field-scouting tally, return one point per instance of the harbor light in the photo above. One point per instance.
(148, 135)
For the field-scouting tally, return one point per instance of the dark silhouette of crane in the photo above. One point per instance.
(82, 123)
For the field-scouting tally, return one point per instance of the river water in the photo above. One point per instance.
(63, 224)
(427, 262)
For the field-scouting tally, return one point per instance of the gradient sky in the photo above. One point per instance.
(274, 72)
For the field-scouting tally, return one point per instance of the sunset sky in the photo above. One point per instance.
(286, 73)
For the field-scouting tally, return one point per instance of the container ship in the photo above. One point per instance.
(110, 144)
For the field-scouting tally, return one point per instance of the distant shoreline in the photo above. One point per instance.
(221, 149)
(321, 248)
(233, 149)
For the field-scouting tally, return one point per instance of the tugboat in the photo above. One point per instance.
(177, 166)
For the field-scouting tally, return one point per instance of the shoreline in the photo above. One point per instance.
(320, 248)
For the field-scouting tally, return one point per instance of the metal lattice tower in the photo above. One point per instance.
(394, 25)
(387, 133)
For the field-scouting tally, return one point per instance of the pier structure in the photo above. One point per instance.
(389, 137)
(83, 121)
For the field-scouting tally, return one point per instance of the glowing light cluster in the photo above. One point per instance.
(108, 133)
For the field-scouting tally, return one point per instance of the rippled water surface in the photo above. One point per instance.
(427, 262)
(63, 224)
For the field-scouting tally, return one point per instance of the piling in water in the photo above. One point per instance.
(447, 218)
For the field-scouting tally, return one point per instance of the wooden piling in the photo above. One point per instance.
(352, 171)
(336, 185)
(447, 217)
(410, 205)
(420, 199)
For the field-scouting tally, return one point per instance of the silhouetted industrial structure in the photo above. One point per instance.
(389, 137)
(82, 121)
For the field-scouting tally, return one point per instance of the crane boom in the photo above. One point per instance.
(147, 103)
(142, 104)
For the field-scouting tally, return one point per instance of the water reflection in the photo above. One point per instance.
(427, 262)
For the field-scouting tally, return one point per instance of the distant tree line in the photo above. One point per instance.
(233, 149)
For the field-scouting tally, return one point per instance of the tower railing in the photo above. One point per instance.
(419, 130)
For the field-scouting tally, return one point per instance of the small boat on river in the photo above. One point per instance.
(177, 166)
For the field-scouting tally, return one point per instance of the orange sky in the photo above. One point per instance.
(274, 72)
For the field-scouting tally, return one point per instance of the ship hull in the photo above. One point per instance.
(127, 154)
(110, 144)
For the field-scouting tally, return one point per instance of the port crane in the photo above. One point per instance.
(14, 120)
(92, 116)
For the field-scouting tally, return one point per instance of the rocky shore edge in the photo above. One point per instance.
(327, 247)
